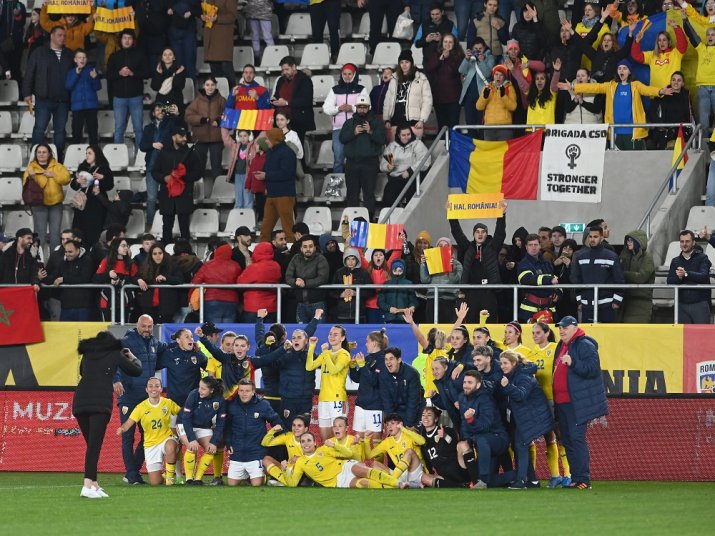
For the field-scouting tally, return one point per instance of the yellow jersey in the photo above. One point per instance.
(429, 377)
(396, 446)
(292, 444)
(154, 419)
(333, 373)
(544, 360)
(322, 467)
(214, 365)
(350, 444)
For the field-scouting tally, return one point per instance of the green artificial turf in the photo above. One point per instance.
(49, 503)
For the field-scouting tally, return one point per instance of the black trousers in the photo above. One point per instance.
(214, 150)
(393, 188)
(93, 427)
(327, 11)
(168, 225)
(361, 174)
(80, 118)
(378, 9)
(225, 69)
(447, 114)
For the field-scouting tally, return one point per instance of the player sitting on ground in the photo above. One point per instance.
(342, 438)
(440, 451)
(291, 440)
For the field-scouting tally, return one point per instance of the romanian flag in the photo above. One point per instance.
(677, 149)
(376, 235)
(439, 260)
(19, 316)
(483, 167)
(247, 119)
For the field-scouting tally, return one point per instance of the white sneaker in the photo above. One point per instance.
(90, 493)
(102, 493)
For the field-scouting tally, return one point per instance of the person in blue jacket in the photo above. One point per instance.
(579, 395)
(483, 429)
(200, 425)
(365, 371)
(246, 418)
(530, 415)
(392, 300)
(449, 387)
(183, 363)
(155, 136)
(83, 82)
(400, 388)
(131, 391)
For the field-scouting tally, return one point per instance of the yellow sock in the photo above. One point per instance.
(400, 468)
(367, 483)
(532, 454)
(204, 463)
(170, 470)
(218, 463)
(189, 464)
(511, 454)
(564, 461)
(552, 457)
(276, 472)
(382, 477)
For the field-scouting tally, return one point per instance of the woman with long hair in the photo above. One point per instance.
(445, 80)
(168, 80)
(666, 58)
(92, 180)
(409, 95)
(157, 298)
(117, 269)
(364, 370)
(399, 160)
(539, 96)
(203, 114)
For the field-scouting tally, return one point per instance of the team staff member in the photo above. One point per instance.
(131, 391)
(440, 451)
(333, 362)
(365, 371)
(154, 415)
(246, 419)
(202, 421)
(400, 388)
(579, 395)
(448, 387)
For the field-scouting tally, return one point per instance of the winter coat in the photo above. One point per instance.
(498, 109)
(156, 132)
(401, 393)
(76, 272)
(295, 381)
(603, 64)
(529, 408)
(259, 10)
(126, 272)
(263, 269)
(301, 105)
(444, 78)
(183, 371)
(252, 183)
(345, 310)
(698, 270)
(585, 378)
(220, 269)
(42, 73)
(590, 111)
(368, 378)
(593, 266)
(341, 94)
(487, 418)
(482, 27)
(392, 296)
(469, 68)
(167, 297)
(174, 95)
(419, 99)
(12, 25)
(218, 40)
(74, 34)
(448, 391)
(531, 38)
(449, 278)
(124, 87)
(404, 157)
(246, 426)
(444, 27)
(488, 252)
(101, 356)
(166, 161)
(203, 111)
(52, 192)
(83, 89)
(152, 19)
(91, 220)
(365, 145)
(537, 271)
(638, 268)
(146, 351)
(280, 170)
(314, 272)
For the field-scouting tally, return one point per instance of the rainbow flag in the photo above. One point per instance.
(376, 235)
(247, 119)
(439, 260)
(483, 167)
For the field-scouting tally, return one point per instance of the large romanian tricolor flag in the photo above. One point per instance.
(439, 260)
(247, 119)
(484, 167)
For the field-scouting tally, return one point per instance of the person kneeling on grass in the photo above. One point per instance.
(196, 428)
(154, 416)
(331, 467)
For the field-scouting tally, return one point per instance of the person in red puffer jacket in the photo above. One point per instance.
(263, 269)
(219, 304)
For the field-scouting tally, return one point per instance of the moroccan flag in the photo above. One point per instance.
(384, 235)
(484, 167)
(439, 260)
(19, 316)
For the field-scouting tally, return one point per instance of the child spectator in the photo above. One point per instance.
(83, 84)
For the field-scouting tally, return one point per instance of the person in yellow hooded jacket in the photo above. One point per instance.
(51, 176)
(498, 102)
(76, 30)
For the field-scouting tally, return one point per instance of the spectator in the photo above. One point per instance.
(83, 84)
(409, 96)
(156, 136)
(529, 67)
(346, 300)
(691, 267)
(535, 270)
(579, 395)
(547, 248)
(539, 97)
(591, 25)
(182, 33)
(156, 274)
(293, 93)
(429, 34)
(218, 39)
(100, 250)
(705, 77)
(279, 174)
(567, 305)
(116, 269)
(339, 104)
(490, 27)
(498, 102)
(219, 304)
(445, 79)
(331, 251)
(476, 68)
(400, 388)
(243, 192)
(45, 67)
(257, 188)
(147, 241)
(152, 19)
(126, 70)
(51, 176)
(322, 12)
(76, 29)
(241, 254)
(557, 237)
(447, 297)
(638, 268)
(465, 11)
(529, 33)
(281, 254)
(581, 108)
(13, 16)
(363, 136)
(92, 180)
(260, 15)
(395, 302)
(262, 270)
(168, 79)
(57, 256)
(601, 50)
(665, 59)
(379, 92)
(176, 169)
(379, 275)
(17, 263)
(377, 11)
(292, 138)
(34, 37)
(249, 94)
(568, 51)
(596, 265)
(107, 42)
(306, 272)
(188, 264)
(673, 108)
(204, 117)
(398, 161)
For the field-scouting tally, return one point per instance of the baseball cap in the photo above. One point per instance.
(209, 328)
(567, 321)
(179, 129)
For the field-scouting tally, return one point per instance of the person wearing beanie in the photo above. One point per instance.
(351, 273)
(446, 301)
(430, 32)
(498, 102)
(624, 104)
(363, 136)
(279, 174)
(393, 301)
(480, 264)
(340, 105)
(409, 96)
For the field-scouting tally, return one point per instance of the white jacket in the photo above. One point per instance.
(419, 99)
(580, 115)
(292, 137)
(403, 158)
(333, 101)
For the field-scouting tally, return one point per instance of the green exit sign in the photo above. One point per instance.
(574, 227)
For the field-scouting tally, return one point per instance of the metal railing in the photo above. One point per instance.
(516, 290)
(112, 300)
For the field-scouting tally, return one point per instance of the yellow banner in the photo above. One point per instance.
(474, 206)
(74, 7)
(53, 363)
(635, 359)
(113, 20)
